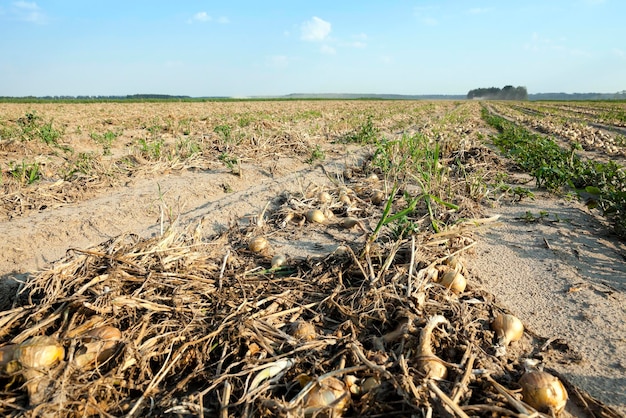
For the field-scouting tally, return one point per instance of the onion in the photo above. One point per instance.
(372, 178)
(100, 344)
(430, 365)
(258, 244)
(303, 330)
(278, 261)
(324, 197)
(36, 356)
(345, 199)
(350, 222)
(378, 197)
(329, 398)
(315, 215)
(39, 353)
(454, 281)
(508, 328)
(543, 391)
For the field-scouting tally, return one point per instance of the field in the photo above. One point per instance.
(253, 252)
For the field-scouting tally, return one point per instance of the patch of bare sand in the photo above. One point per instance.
(565, 277)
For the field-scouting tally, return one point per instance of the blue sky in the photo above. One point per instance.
(244, 48)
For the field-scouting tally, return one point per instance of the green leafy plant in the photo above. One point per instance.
(25, 173)
(555, 168)
(230, 161)
(367, 133)
(151, 149)
(106, 140)
(224, 130)
(317, 154)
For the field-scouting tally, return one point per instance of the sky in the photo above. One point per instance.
(253, 48)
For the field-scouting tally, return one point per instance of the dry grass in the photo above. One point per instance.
(209, 329)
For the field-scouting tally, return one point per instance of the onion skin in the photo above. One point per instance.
(430, 365)
(543, 392)
(324, 197)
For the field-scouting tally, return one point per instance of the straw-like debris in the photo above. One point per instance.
(210, 328)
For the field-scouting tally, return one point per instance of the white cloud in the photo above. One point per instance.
(620, 53)
(315, 30)
(203, 17)
(28, 12)
(328, 50)
(200, 17)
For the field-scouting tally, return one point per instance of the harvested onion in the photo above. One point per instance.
(303, 330)
(328, 398)
(39, 352)
(315, 215)
(35, 357)
(428, 363)
(324, 197)
(508, 328)
(543, 391)
(278, 260)
(258, 244)
(454, 281)
(100, 344)
(378, 197)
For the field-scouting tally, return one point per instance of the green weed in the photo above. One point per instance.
(317, 154)
(25, 173)
(151, 149)
(367, 133)
(106, 140)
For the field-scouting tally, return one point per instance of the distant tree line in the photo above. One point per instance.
(495, 93)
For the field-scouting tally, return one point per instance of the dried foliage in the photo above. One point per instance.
(209, 328)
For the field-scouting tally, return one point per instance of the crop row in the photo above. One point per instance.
(602, 184)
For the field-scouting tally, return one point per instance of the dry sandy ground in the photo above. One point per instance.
(562, 275)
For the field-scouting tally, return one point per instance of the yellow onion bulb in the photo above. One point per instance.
(329, 396)
(324, 197)
(508, 328)
(303, 330)
(258, 244)
(315, 215)
(543, 391)
(40, 352)
(100, 345)
(378, 197)
(454, 281)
